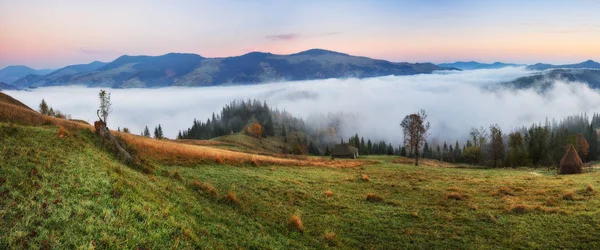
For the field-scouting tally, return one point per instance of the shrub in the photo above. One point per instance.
(219, 160)
(519, 209)
(454, 196)
(295, 223)
(505, 191)
(589, 188)
(205, 187)
(374, 198)
(330, 237)
(569, 196)
(62, 132)
(231, 199)
(176, 175)
(365, 178)
(328, 193)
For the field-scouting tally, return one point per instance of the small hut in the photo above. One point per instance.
(344, 151)
(571, 163)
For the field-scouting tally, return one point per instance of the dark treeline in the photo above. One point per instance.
(237, 115)
(537, 145)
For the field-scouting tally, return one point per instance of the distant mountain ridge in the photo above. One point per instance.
(543, 81)
(6, 86)
(472, 65)
(12, 73)
(62, 74)
(177, 69)
(589, 64)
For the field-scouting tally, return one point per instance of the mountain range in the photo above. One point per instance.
(13, 73)
(177, 69)
(542, 81)
(472, 65)
(589, 64)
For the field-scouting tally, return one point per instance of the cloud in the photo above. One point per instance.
(284, 37)
(96, 51)
(296, 36)
(454, 101)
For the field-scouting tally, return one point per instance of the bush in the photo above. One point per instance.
(328, 193)
(365, 178)
(231, 198)
(374, 198)
(295, 223)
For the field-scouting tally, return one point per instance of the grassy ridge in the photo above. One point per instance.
(69, 193)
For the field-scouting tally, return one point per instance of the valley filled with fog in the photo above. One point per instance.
(455, 101)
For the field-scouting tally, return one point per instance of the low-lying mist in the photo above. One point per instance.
(454, 101)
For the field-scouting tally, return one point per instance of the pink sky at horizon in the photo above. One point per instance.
(53, 34)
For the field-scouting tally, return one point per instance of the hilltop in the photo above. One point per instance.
(176, 69)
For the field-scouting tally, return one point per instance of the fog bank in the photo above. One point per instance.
(454, 101)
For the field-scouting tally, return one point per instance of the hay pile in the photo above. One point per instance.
(571, 163)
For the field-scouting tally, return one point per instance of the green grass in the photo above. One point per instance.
(68, 193)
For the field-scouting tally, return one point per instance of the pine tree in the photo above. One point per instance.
(43, 107)
(146, 132)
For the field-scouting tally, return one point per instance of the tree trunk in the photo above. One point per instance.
(110, 140)
(416, 156)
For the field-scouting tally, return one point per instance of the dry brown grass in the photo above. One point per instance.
(12, 113)
(295, 223)
(423, 162)
(589, 188)
(328, 193)
(174, 153)
(371, 197)
(62, 132)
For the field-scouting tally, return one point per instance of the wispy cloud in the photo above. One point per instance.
(296, 36)
(454, 101)
(97, 51)
(284, 37)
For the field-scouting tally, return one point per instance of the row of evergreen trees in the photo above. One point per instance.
(538, 145)
(238, 114)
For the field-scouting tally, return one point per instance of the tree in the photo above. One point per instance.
(44, 107)
(158, 133)
(496, 145)
(126, 130)
(256, 130)
(582, 146)
(283, 133)
(105, 106)
(146, 132)
(517, 153)
(415, 132)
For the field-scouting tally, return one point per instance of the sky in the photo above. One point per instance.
(455, 101)
(56, 33)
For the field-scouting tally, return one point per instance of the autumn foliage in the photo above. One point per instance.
(256, 130)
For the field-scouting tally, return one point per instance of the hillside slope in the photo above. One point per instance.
(69, 192)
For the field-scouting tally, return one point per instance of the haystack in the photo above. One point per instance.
(571, 163)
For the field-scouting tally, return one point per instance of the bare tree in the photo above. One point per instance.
(105, 106)
(415, 132)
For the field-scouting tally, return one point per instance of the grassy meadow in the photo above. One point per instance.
(64, 193)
